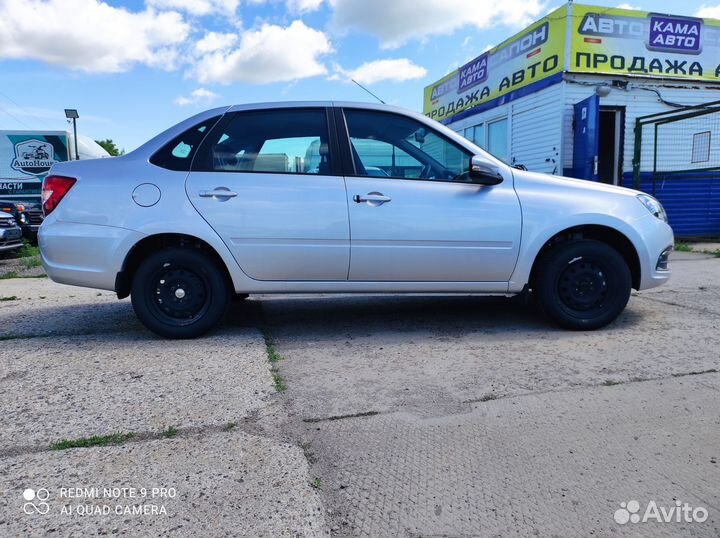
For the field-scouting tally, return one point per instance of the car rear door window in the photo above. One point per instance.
(179, 152)
(283, 141)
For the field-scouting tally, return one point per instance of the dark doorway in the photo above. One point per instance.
(610, 144)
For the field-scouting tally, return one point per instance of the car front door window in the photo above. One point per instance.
(402, 147)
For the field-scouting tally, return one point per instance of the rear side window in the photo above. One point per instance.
(282, 141)
(179, 152)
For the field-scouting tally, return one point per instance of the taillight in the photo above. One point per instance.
(53, 190)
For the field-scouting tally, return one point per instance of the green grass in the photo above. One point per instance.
(683, 247)
(170, 432)
(28, 251)
(9, 298)
(31, 262)
(272, 354)
(278, 381)
(229, 426)
(14, 274)
(274, 358)
(95, 440)
(317, 483)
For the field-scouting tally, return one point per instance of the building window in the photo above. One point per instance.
(475, 134)
(479, 135)
(498, 139)
(701, 147)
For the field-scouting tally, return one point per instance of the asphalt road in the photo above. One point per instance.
(404, 416)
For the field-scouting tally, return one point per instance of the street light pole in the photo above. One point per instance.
(71, 113)
(77, 157)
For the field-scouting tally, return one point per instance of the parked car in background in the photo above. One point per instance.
(28, 215)
(278, 198)
(10, 233)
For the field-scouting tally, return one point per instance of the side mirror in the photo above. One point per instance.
(484, 172)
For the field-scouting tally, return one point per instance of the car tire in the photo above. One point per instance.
(582, 284)
(179, 293)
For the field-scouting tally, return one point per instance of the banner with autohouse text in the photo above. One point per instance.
(26, 158)
(621, 41)
(532, 55)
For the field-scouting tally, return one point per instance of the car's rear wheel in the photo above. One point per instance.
(179, 293)
(582, 284)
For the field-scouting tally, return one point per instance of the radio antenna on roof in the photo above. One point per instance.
(371, 93)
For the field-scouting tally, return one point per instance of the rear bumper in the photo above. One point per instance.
(87, 255)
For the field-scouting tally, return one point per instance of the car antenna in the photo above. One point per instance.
(371, 93)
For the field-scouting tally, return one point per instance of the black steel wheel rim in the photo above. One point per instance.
(179, 295)
(583, 286)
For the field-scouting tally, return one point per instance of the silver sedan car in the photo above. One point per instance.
(340, 197)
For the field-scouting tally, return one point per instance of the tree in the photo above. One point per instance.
(110, 146)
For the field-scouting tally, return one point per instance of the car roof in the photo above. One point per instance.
(298, 104)
(302, 104)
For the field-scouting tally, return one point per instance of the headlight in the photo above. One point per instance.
(23, 218)
(653, 206)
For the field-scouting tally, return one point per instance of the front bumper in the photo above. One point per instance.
(31, 230)
(10, 239)
(9, 245)
(29, 222)
(655, 240)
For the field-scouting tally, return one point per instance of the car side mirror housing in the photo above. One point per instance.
(484, 172)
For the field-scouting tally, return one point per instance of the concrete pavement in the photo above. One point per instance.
(76, 364)
(462, 416)
(405, 416)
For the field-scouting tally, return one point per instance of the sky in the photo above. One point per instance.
(133, 69)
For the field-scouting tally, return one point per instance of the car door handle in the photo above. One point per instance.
(222, 193)
(372, 198)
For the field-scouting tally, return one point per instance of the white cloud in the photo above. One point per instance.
(198, 8)
(99, 38)
(396, 22)
(397, 70)
(709, 12)
(629, 6)
(270, 54)
(199, 96)
(303, 6)
(214, 41)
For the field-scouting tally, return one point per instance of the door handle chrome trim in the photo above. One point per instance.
(372, 198)
(220, 192)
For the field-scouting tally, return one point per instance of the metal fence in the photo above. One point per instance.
(677, 159)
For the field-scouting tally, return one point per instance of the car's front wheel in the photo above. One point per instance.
(179, 293)
(582, 284)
